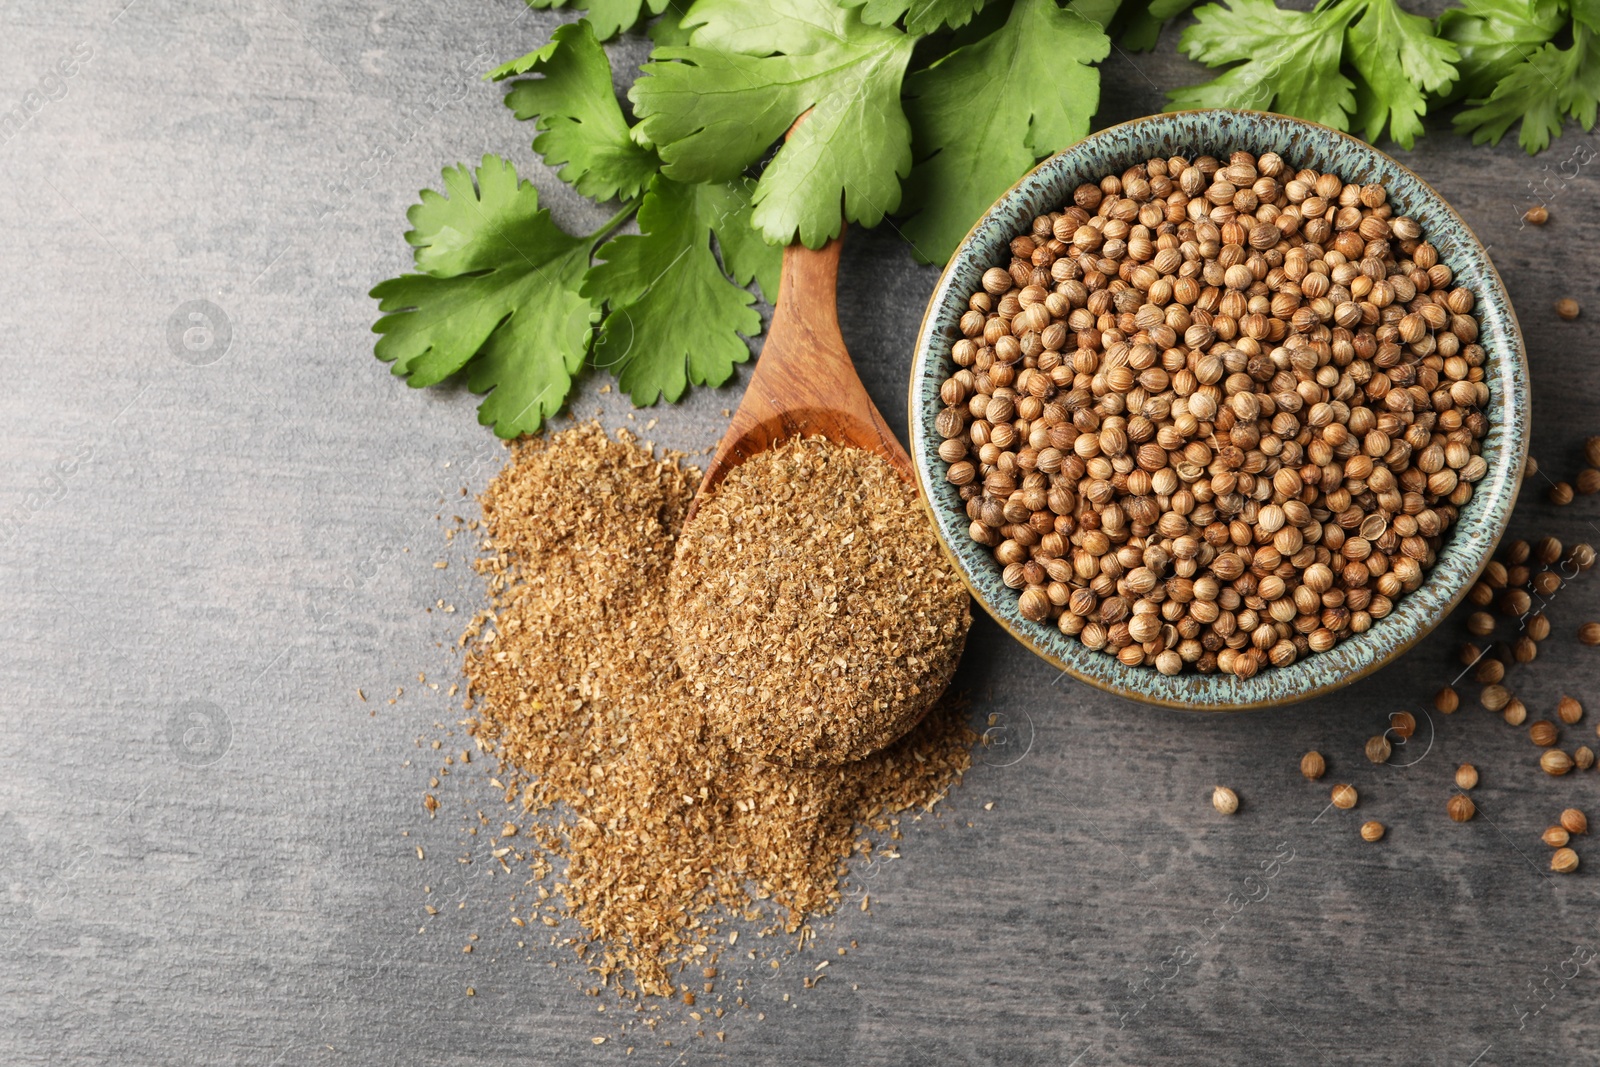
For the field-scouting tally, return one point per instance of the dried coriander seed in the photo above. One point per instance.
(1589, 633)
(1583, 757)
(1154, 407)
(1344, 796)
(1446, 701)
(1568, 710)
(1403, 723)
(1466, 776)
(1537, 215)
(1494, 697)
(1556, 836)
(1224, 800)
(1563, 861)
(1543, 733)
(1587, 482)
(1538, 626)
(1488, 671)
(1312, 765)
(1525, 649)
(1581, 556)
(1546, 583)
(1547, 550)
(1574, 821)
(1515, 713)
(1461, 808)
(1378, 749)
(1568, 308)
(1559, 494)
(1372, 830)
(1555, 762)
(1480, 624)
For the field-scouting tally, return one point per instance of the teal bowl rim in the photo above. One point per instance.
(1480, 525)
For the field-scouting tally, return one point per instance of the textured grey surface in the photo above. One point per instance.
(208, 844)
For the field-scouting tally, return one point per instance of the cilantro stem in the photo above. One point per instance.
(616, 220)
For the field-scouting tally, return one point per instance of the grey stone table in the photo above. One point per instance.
(208, 842)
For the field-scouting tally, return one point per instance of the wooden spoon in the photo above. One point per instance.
(804, 383)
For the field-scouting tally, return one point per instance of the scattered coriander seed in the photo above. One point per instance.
(1525, 649)
(1515, 602)
(1587, 482)
(1563, 861)
(1538, 626)
(1469, 653)
(1461, 808)
(1574, 821)
(1312, 765)
(1559, 494)
(1480, 624)
(1517, 551)
(1378, 748)
(1591, 451)
(1547, 550)
(1589, 633)
(1344, 796)
(1556, 836)
(1237, 425)
(1583, 757)
(1494, 697)
(1481, 595)
(1224, 800)
(1537, 215)
(1543, 733)
(1567, 308)
(1372, 830)
(1403, 723)
(1568, 710)
(1546, 583)
(1581, 556)
(1515, 713)
(1446, 701)
(1466, 776)
(1488, 671)
(1555, 762)
(1530, 468)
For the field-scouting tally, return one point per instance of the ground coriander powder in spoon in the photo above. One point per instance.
(657, 832)
(815, 614)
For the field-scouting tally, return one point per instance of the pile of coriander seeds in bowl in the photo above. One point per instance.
(1212, 414)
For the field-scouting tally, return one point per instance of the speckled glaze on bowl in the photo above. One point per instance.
(1301, 144)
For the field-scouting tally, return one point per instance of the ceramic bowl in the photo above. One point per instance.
(1303, 144)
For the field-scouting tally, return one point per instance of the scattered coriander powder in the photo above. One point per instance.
(656, 831)
(815, 614)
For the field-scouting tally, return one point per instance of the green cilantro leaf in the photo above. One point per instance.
(715, 106)
(674, 317)
(1539, 93)
(581, 123)
(610, 17)
(922, 16)
(1495, 36)
(1288, 61)
(981, 116)
(500, 282)
(1141, 25)
(1399, 59)
(727, 207)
